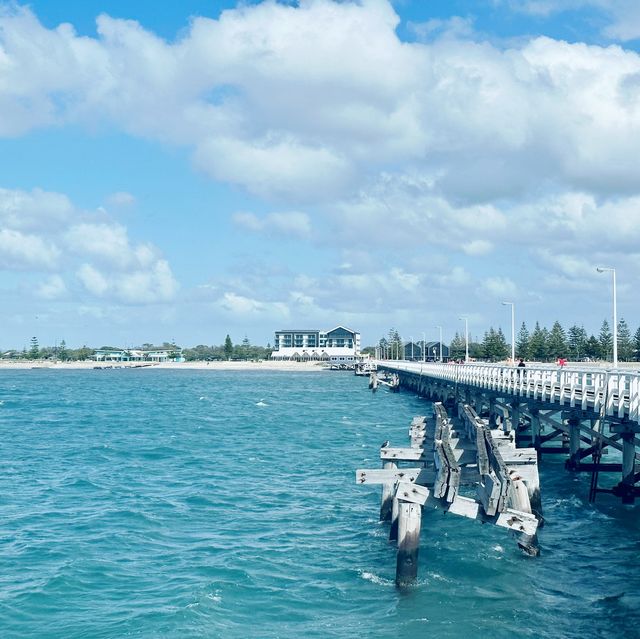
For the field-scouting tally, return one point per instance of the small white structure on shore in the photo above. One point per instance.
(340, 344)
(139, 355)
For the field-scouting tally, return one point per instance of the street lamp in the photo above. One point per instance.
(466, 338)
(411, 336)
(606, 269)
(513, 329)
(424, 346)
(440, 347)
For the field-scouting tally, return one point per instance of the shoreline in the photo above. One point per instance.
(266, 365)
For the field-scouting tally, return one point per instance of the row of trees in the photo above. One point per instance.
(542, 344)
(228, 350)
(243, 351)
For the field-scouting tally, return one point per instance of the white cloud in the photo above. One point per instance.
(477, 247)
(154, 285)
(242, 306)
(44, 231)
(267, 101)
(121, 199)
(292, 224)
(20, 251)
(105, 242)
(52, 288)
(624, 15)
(38, 209)
(500, 287)
(93, 281)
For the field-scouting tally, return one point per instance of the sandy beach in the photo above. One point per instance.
(266, 365)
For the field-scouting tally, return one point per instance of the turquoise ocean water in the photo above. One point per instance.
(178, 504)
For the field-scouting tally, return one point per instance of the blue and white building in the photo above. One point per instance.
(340, 344)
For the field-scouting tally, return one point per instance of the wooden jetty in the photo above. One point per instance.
(478, 456)
(459, 465)
(577, 413)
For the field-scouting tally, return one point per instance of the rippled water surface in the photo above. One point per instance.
(176, 504)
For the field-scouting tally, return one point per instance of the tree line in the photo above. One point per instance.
(225, 351)
(544, 345)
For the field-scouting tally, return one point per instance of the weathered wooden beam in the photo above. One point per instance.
(386, 475)
(466, 507)
(409, 522)
(414, 493)
(386, 501)
(402, 454)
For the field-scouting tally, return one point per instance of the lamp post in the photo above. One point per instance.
(606, 269)
(424, 346)
(466, 338)
(513, 329)
(411, 337)
(440, 344)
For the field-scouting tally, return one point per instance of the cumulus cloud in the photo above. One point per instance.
(268, 102)
(453, 145)
(623, 15)
(44, 231)
(292, 224)
(239, 305)
(52, 288)
(20, 251)
(500, 287)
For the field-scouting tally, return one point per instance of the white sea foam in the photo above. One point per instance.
(375, 579)
(261, 403)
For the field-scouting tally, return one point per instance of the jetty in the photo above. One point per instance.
(478, 455)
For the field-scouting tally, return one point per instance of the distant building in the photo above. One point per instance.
(340, 343)
(414, 351)
(139, 355)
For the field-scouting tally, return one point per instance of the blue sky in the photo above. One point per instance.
(222, 167)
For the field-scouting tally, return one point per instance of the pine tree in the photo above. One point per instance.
(494, 346)
(538, 343)
(228, 347)
(502, 349)
(625, 343)
(605, 340)
(488, 344)
(557, 345)
(34, 350)
(395, 344)
(592, 347)
(576, 341)
(522, 342)
(456, 348)
(636, 345)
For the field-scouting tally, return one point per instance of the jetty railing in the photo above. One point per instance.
(614, 392)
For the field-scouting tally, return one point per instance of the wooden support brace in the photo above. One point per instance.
(465, 507)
